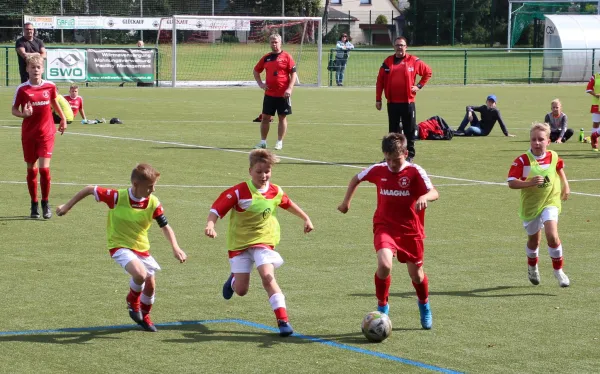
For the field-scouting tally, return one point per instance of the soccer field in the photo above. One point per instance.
(64, 310)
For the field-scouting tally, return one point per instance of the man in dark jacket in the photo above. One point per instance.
(28, 44)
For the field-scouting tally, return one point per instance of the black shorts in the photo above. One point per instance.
(57, 119)
(281, 105)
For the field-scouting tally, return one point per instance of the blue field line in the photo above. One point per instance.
(244, 323)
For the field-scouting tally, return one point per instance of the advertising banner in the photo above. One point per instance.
(66, 65)
(40, 22)
(79, 23)
(121, 65)
(131, 23)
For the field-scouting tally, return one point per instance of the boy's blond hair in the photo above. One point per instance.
(34, 58)
(541, 127)
(74, 87)
(394, 143)
(144, 173)
(264, 156)
(556, 101)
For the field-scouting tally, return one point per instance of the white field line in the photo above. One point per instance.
(470, 181)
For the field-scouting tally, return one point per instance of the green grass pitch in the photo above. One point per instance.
(488, 318)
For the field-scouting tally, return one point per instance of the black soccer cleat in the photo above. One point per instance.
(35, 213)
(46, 211)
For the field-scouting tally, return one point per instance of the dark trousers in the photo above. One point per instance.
(24, 76)
(555, 134)
(406, 114)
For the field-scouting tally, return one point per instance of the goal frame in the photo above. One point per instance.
(318, 36)
(510, 11)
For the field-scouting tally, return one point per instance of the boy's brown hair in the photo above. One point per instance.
(264, 156)
(74, 87)
(394, 143)
(144, 172)
(34, 58)
(540, 126)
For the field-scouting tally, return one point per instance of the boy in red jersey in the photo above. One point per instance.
(593, 88)
(130, 215)
(403, 191)
(540, 176)
(254, 232)
(34, 101)
(279, 82)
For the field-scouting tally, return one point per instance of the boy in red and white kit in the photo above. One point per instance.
(254, 232)
(593, 88)
(131, 212)
(540, 176)
(34, 101)
(403, 191)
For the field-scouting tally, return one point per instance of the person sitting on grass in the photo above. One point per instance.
(559, 133)
(489, 116)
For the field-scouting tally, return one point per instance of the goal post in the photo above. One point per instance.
(222, 50)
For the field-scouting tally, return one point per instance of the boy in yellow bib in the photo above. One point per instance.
(254, 232)
(129, 218)
(540, 176)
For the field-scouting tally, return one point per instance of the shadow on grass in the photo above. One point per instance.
(478, 292)
(20, 218)
(65, 338)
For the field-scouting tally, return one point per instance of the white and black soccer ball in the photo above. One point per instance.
(376, 326)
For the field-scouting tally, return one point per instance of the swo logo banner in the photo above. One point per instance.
(68, 65)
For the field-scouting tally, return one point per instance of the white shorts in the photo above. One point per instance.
(548, 214)
(124, 255)
(242, 263)
(595, 117)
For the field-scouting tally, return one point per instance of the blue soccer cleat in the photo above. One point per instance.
(227, 288)
(384, 309)
(285, 329)
(425, 311)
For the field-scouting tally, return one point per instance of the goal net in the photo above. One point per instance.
(223, 50)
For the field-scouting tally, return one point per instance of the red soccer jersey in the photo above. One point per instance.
(521, 167)
(396, 197)
(239, 197)
(590, 88)
(110, 196)
(40, 124)
(76, 103)
(279, 67)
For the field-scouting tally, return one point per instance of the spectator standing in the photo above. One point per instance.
(26, 45)
(396, 79)
(342, 48)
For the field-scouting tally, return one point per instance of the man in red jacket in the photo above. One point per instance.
(396, 79)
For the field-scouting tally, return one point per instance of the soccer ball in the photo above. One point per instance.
(376, 326)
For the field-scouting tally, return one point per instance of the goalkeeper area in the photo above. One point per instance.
(215, 51)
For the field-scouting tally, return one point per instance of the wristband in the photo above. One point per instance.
(419, 85)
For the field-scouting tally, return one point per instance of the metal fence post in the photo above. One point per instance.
(6, 58)
(465, 70)
(529, 68)
(329, 66)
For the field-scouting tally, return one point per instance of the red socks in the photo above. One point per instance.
(146, 308)
(532, 261)
(32, 183)
(422, 290)
(382, 289)
(281, 314)
(133, 299)
(45, 183)
(557, 263)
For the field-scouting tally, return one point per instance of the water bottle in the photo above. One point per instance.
(581, 135)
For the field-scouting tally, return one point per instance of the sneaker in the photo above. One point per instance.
(227, 288)
(101, 120)
(458, 133)
(534, 274)
(384, 309)
(257, 119)
(134, 312)
(425, 311)
(35, 213)
(563, 280)
(278, 145)
(595, 149)
(285, 329)
(46, 211)
(261, 145)
(147, 324)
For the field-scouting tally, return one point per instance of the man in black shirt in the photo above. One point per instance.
(489, 116)
(25, 45)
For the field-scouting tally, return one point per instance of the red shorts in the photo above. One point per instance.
(34, 148)
(405, 248)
